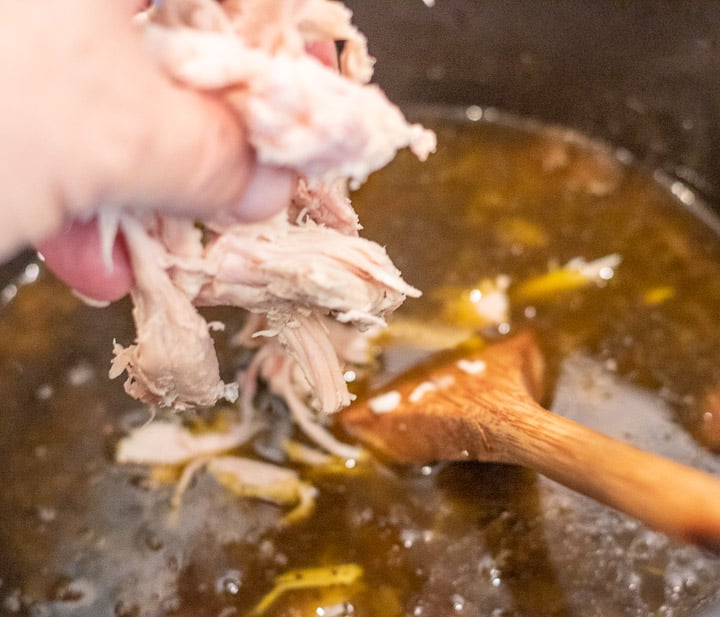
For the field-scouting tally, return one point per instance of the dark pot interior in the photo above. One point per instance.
(640, 75)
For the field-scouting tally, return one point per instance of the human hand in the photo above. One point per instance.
(88, 120)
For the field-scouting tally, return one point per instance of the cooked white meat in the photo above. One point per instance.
(169, 443)
(173, 361)
(305, 265)
(275, 267)
(298, 112)
(324, 203)
(292, 274)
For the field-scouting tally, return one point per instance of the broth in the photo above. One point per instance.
(637, 356)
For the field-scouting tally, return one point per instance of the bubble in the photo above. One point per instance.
(30, 274)
(12, 603)
(495, 578)
(458, 602)
(474, 113)
(475, 296)
(44, 392)
(170, 604)
(229, 583)
(409, 537)
(606, 273)
(343, 609)
(8, 293)
(633, 581)
(611, 365)
(46, 514)
(683, 193)
(80, 374)
(491, 114)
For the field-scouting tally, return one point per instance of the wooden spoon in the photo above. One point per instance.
(481, 405)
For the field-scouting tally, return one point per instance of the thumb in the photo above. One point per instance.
(196, 161)
(193, 158)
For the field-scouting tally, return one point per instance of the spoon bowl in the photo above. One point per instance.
(481, 404)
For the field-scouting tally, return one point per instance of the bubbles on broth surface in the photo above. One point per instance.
(634, 357)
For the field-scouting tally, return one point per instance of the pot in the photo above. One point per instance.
(640, 75)
(82, 536)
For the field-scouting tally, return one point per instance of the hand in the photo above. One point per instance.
(88, 120)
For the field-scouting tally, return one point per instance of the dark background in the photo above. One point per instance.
(642, 75)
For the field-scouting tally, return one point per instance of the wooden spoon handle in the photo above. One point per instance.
(667, 496)
(483, 408)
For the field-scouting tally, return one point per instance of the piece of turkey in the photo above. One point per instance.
(305, 264)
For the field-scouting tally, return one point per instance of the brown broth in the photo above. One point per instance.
(81, 536)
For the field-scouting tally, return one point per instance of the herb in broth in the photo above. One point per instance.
(505, 209)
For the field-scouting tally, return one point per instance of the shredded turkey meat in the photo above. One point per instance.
(298, 271)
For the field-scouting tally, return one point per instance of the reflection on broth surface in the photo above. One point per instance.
(634, 352)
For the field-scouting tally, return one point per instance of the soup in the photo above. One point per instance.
(633, 351)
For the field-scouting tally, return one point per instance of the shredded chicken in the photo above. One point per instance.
(280, 485)
(170, 443)
(298, 271)
(299, 113)
(173, 361)
(284, 378)
(166, 443)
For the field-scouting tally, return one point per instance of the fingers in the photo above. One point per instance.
(189, 156)
(112, 129)
(325, 52)
(208, 162)
(74, 255)
(192, 157)
(138, 138)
